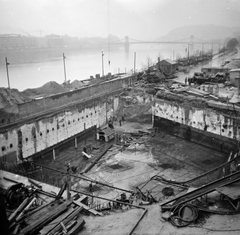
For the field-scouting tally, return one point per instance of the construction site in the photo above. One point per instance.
(135, 157)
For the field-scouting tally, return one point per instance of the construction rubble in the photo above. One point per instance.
(218, 196)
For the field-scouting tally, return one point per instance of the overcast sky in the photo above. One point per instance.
(139, 19)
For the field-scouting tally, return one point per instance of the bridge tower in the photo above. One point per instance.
(191, 48)
(126, 45)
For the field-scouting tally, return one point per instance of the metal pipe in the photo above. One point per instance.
(107, 199)
(90, 180)
(204, 189)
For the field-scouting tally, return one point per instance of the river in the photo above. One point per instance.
(31, 70)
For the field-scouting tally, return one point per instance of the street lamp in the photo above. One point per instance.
(102, 64)
(7, 71)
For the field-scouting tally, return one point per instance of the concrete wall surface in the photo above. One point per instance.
(37, 135)
(208, 119)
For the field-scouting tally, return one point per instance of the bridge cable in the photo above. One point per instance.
(108, 14)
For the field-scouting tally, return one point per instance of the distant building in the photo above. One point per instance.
(214, 70)
(234, 75)
(18, 41)
(167, 66)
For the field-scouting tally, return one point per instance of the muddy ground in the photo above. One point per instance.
(160, 154)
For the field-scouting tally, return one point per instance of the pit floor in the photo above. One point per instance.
(148, 154)
(151, 154)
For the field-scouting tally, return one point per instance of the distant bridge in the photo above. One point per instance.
(126, 42)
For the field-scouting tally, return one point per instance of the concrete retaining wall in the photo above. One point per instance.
(32, 137)
(199, 125)
(20, 111)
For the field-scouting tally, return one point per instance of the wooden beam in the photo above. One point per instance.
(77, 202)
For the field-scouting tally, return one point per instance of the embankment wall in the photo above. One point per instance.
(62, 120)
(206, 126)
(20, 111)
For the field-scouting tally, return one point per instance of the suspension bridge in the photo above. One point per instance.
(190, 41)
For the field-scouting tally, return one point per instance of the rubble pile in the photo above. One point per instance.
(219, 196)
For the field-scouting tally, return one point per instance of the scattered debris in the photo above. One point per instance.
(31, 214)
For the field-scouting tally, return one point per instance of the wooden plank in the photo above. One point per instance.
(55, 222)
(81, 199)
(35, 226)
(65, 221)
(42, 212)
(77, 227)
(77, 202)
(19, 209)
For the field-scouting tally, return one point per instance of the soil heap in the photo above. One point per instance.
(9, 97)
(49, 88)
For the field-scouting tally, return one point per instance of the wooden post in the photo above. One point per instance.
(76, 144)
(54, 155)
(7, 72)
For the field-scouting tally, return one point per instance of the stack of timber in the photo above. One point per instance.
(53, 218)
(32, 210)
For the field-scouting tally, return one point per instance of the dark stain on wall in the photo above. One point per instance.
(217, 142)
(34, 138)
(20, 153)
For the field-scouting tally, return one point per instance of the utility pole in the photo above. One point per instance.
(202, 53)
(212, 50)
(102, 64)
(134, 68)
(7, 71)
(239, 84)
(65, 76)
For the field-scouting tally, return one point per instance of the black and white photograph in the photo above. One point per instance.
(119, 117)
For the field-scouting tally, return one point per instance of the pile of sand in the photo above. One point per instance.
(9, 97)
(49, 88)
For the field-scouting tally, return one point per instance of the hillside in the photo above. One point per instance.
(203, 32)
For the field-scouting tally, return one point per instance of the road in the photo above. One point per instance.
(215, 62)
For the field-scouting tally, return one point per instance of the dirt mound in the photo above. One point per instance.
(9, 97)
(78, 84)
(49, 88)
(52, 88)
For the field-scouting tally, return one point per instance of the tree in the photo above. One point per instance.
(149, 63)
(232, 44)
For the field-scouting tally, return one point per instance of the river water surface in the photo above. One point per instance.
(35, 69)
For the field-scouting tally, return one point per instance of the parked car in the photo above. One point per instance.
(199, 78)
(218, 78)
